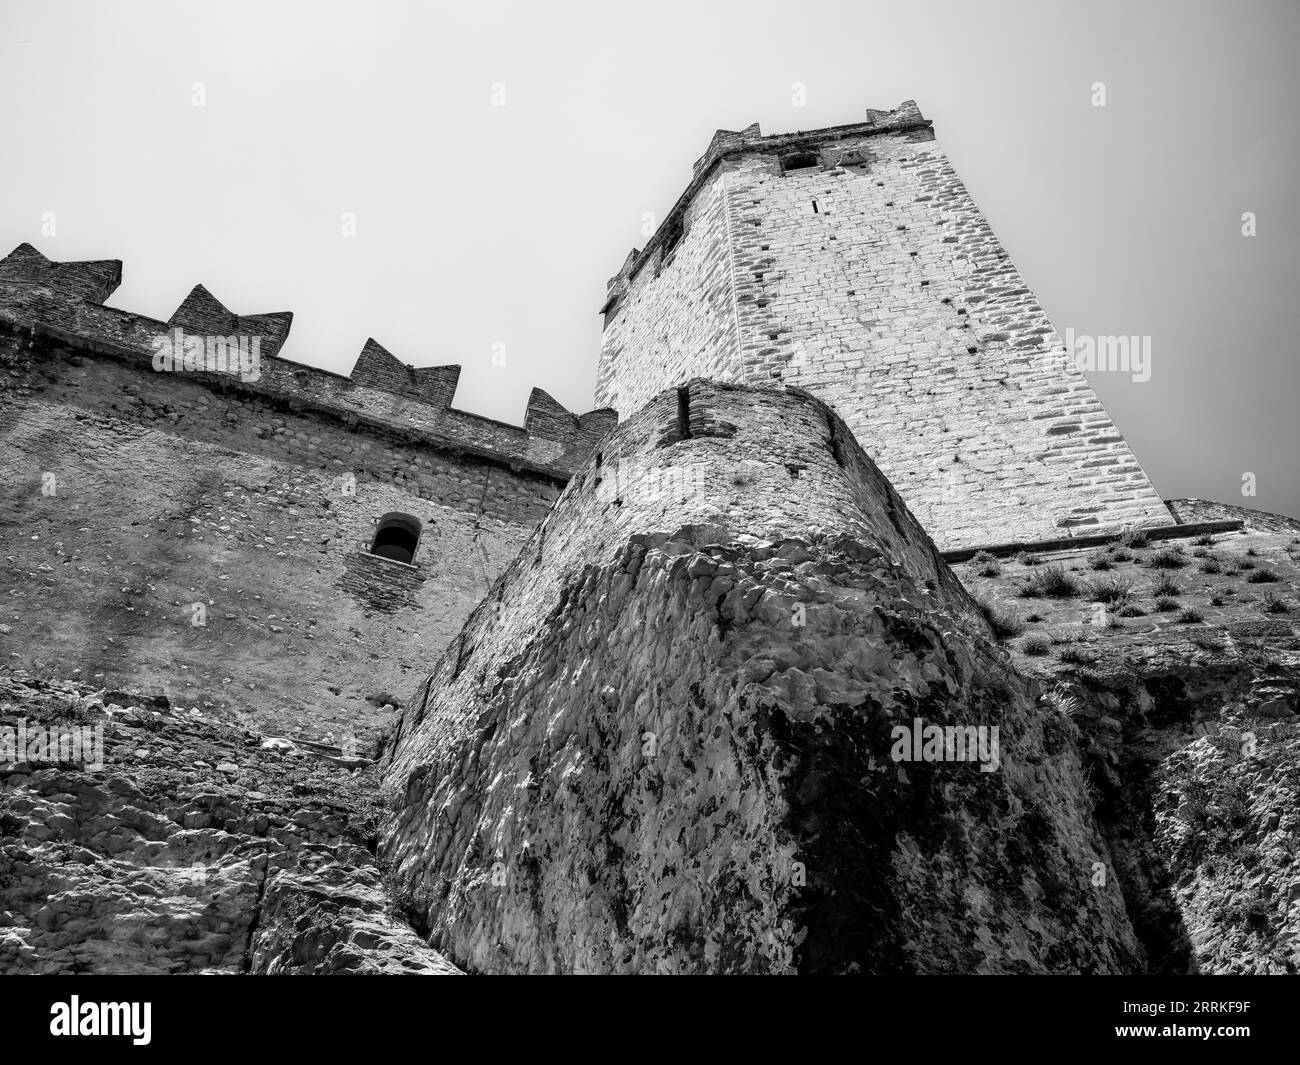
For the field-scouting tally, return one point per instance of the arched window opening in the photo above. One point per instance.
(396, 537)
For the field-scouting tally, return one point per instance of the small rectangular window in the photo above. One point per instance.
(799, 161)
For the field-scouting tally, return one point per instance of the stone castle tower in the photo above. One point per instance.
(852, 261)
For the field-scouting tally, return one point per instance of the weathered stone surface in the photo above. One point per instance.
(1244, 583)
(1191, 510)
(1179, 663)
(664, 741)
(677, 705)
(1192, 756)
(853, 262)
(64, 302)
(191, 849)
(128, 498)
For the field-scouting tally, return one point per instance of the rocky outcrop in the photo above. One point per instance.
(1192, 756)
(1179, 664)
(668, 740)
(182, 845)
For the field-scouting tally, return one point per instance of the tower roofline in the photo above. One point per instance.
(730, 143)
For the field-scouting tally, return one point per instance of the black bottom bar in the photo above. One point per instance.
(1223, 1014)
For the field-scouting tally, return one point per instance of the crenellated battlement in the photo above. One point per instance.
(725, 142)
(203, 314)
(91, 280)
(65, 301)
(377, 367)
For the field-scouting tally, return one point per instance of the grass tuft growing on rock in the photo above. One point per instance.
(1004, 623)
(1035, 645)
(1165, 587)
(1169, 558)
(1115, 590)
(1060, 700)
(1273, 604)
(1052, 582)
(1077, 656)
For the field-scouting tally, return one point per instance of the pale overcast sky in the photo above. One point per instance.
(479, 225)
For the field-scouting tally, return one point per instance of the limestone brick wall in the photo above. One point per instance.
(677, 320)
(872, 279)
(134, 493)
(127, 496)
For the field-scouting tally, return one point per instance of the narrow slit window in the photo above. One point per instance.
(673, 233)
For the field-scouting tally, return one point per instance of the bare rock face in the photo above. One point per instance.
(1188, 718)
(1193, 754)
(1226, 829)
(669, 740)
(188, 848)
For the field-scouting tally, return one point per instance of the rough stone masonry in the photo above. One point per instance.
(662, 743)
(853, 262)
(131, 499)
(666, 739)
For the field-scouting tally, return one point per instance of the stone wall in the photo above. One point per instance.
(678, 320)
(1193, 510)
(134, 497)
(129, 496)
(857, 265)
(662, 743)
(64, 301)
